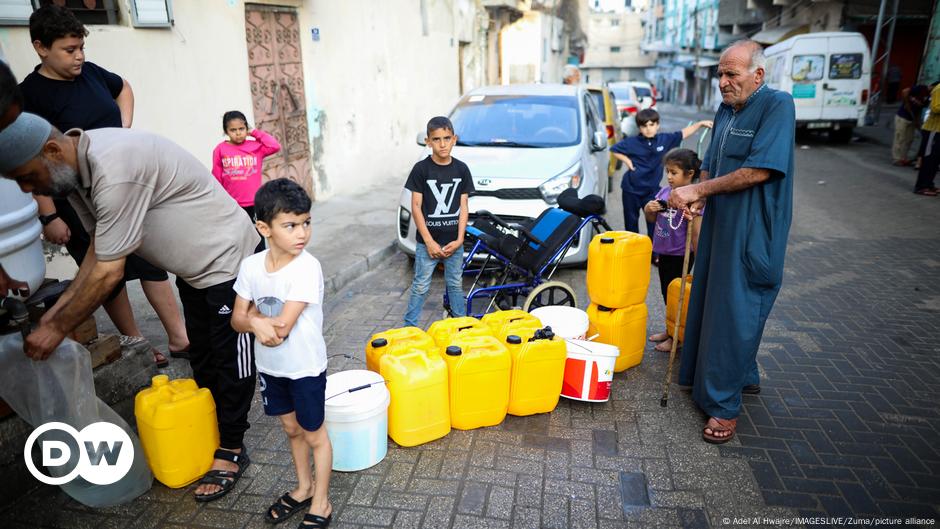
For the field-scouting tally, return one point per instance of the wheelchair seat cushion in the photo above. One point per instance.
(553, 227)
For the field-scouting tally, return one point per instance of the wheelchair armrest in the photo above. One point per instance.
(524, 231)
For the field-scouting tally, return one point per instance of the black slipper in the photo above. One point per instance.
(751, 389)
(285, 507)
(224, 478)
(312, 521)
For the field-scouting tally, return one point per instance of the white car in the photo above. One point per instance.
(524, 144)
(632, 96)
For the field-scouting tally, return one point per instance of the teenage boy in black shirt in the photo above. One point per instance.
(439, 185)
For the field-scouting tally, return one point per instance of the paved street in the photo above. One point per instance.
(847, 423)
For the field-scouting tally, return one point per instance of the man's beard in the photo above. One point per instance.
(63, 178)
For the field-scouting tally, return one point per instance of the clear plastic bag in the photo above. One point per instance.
(62, 389)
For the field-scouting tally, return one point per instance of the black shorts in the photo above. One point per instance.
(305, 396)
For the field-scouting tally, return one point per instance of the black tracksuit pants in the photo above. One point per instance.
(222, 359)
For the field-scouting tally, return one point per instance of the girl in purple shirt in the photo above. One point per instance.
(682, 168)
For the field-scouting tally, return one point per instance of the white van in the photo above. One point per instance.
(828, 75)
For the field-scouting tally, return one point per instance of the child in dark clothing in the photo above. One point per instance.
(643, 156)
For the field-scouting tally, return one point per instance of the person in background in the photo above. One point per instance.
(236, 162)
(908, 119)
(572, 74)
(931, 146)
(643, 156)
(72, 93)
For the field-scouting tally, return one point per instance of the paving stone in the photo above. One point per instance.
(526, 518)
(472, 498)
(500, 502)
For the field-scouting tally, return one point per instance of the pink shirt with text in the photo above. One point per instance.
(238, 167)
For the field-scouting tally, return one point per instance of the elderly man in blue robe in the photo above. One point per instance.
(747, 178)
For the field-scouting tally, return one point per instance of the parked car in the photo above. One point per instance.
(525, 144)
(828, 75)
(608, 110)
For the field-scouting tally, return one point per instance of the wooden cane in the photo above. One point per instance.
(675, 334)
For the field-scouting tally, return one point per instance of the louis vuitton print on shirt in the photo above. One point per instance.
(440, 187)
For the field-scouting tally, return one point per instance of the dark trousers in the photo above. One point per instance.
(222, 359)
(670, 267)
(930, 163)
(250, 210)
(632, 204)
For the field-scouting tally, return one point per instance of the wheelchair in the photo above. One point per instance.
(512, 263)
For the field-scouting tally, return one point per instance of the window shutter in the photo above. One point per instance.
(151, 13)
(15, 12)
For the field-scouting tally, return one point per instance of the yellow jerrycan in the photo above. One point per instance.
(498, 321)
(404, 337)
(478, 369)
(445, 331)
(178, 429)
(538, 369)
(419, 411)
(618, 269)
(625, 328)
(672, 303)
(524, 329)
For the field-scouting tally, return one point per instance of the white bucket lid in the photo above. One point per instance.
(370, 396)
(567, 322)
(586, 348)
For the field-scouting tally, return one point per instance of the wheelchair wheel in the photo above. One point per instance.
(550, 293)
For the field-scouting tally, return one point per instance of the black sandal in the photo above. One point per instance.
(224, 478)
(285, 507)
(312, 521)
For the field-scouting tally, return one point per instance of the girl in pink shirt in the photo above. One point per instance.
(236, 163)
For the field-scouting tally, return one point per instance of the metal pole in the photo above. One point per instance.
(887, 56)
(874, 55)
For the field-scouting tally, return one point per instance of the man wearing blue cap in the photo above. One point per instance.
(138, 192)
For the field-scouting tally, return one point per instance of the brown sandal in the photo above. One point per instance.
(717, 425)
(160, 359)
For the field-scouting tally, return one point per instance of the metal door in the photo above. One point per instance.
(277, 90)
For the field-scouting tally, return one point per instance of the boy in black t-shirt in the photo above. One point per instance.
(439, 185)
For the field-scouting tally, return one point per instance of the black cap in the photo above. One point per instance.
(604, 309)
(607, 240)
(379, 342)
(513, 339)
(453, 350)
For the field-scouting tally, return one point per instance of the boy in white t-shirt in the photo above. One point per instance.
(280, 300)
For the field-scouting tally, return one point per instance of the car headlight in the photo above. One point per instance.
(553, 187)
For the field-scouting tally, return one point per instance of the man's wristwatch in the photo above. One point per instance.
(46, 219)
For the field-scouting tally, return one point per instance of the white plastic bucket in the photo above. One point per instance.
(20, 247)
(567, 322)
(589, 370)
(356, 418)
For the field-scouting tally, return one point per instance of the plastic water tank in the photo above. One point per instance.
(20, 247)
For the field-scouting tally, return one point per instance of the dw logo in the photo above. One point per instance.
(104, 452)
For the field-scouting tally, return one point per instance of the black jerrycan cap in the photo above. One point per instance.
(379, 342)
(513, 339)
(607, 240)
(604, 309)
(453, 350)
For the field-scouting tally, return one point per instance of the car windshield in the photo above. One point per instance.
(599, 101)
(621, 93)
(642, 91)
(517, 121)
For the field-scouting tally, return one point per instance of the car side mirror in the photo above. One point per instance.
(420, 139)
(599, 141)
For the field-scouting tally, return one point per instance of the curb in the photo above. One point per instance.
(369, 262)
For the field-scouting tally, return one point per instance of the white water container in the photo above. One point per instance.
(356, 419)
(20, 246)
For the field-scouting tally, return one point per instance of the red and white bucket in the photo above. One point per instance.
(589, 370)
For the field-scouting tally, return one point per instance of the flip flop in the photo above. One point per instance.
(159, 358)
(717, 425)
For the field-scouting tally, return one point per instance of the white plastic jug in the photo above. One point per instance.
(62, 389)
(20, 247)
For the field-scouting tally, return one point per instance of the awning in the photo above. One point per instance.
(779, 33)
